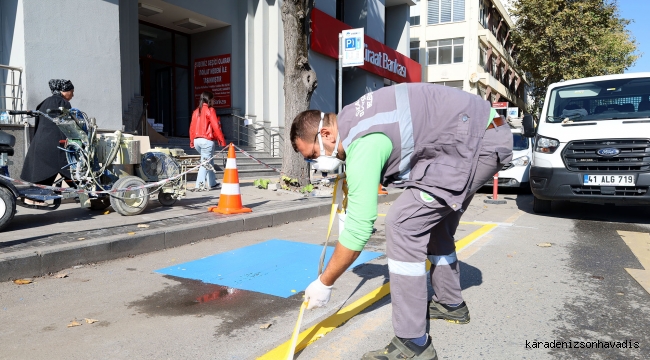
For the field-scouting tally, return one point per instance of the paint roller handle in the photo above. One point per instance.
(317, 294)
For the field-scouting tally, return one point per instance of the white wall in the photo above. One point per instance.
(77, 40)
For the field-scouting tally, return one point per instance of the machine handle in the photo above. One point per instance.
(21, 112)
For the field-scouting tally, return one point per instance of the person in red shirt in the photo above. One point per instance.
(205, 129)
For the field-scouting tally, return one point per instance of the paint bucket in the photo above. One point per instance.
(341, 216)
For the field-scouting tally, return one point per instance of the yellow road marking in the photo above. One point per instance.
(639, 243)
(332, 322)
(514, 217)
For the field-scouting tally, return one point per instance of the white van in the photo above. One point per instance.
(592, 143)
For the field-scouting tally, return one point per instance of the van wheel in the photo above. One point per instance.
(541, 206)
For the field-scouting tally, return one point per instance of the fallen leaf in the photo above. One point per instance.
(143, 225)
(74, 323)
(131, 233)
(107, 212)
(544, 245)
(265, 326)
(61, 275)
(81, 239)
(22, 281)
(90, 321)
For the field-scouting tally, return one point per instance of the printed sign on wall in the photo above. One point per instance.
(213, 74)
(353, 48)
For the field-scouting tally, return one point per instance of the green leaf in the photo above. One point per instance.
(307, 189)
(261, 183)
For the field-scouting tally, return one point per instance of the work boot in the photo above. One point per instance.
(403, 349)
(456, 315)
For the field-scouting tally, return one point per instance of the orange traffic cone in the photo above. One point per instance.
(382, 191)
(230, 199)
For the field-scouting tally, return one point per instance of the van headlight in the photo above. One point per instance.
(546, 145)
(520, 161)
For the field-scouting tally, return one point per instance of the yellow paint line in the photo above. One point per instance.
(639, 243)
(340, 317)
(514, 217)
(471, 223)
(462, 243)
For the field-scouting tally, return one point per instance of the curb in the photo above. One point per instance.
(30, 263)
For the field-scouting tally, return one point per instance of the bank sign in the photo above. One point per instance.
(213, 74)
(378, 58)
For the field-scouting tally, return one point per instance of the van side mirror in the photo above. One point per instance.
(529, 126)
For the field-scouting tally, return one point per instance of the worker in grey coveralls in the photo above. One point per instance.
(446, 144)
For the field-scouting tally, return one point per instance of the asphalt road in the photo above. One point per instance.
(521, 296)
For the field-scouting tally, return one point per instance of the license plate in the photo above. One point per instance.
(609, 180)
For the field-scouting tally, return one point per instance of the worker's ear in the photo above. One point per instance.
(327, 135)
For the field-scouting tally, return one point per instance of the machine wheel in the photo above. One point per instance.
(7, 207)
(100, 203)
(166, 199)
(129, 202)
(541, 206)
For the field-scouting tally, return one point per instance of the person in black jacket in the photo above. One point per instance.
(44, 159)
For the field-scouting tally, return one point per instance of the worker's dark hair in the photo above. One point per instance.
(205, 98)
(305, 126)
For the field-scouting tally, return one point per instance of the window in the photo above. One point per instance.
(444, 11)
(415, 49)
(446, 51)
(482, 57)
(415, 14)
(483, 10)
(454, 84)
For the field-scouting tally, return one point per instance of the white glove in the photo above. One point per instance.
(318, 294)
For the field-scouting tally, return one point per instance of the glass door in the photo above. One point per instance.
(164, 69)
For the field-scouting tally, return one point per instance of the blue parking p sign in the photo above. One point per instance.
(350, 44)
(353, 48)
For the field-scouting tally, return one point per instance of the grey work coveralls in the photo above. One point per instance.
(442, 154)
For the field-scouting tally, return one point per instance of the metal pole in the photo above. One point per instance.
(495, 191)
(340, 74)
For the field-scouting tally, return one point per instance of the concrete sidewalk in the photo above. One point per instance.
(39, 242)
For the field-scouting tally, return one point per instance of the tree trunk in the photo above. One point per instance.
(299, 80)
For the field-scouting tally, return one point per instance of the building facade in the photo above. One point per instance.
(466, 44)
(126, 57)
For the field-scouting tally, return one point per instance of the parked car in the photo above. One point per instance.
(592, 142)
(515, 173)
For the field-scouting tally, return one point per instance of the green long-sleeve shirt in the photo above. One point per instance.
(365, 160)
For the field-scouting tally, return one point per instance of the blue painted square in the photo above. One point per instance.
(273, 267)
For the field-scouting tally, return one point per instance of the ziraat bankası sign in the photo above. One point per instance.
(378, 58)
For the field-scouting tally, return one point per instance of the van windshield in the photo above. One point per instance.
(600, 100)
